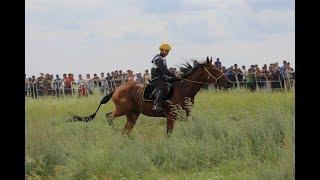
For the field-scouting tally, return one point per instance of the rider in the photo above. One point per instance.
(160, 75)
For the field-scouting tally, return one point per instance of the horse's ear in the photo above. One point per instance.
(207, 59)
(211, 60)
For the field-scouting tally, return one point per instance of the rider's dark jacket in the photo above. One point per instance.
(159, 69)
(160, 72)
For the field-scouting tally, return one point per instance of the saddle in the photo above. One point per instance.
(149, 92)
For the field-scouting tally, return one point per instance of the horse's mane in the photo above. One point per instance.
(187, 69)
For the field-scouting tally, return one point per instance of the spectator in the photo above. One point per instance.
(95, 80)
(290, 71)
(39, 85)
(102, 84)
(46, 84)
(276, 66)
(57, 84)
(130, 76)
(67, 84)
(146, 77)
(251, 81)
(282, 71)
(238, 74)
(82, 89)
(33, 88)
(218, 63)
(73, 83)
(89, 84)
(245, 73)
(110, 83)
(223, 70)
(263, 77)
(117, 79)
(138, 78)
(123, 77)
(275, 77)
(26, 85)
(230, 75)
(288, 75)
(64, 77)
(29, 87)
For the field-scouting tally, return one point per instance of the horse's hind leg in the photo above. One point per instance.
(131, 121)
(111, 115)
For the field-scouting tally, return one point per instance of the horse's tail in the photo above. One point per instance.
(104, 100)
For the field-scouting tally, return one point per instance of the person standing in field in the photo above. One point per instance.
(39, 85)
(116, 78)
(251, 81)
(264, 75)
(289, 71)
(218, 63)
(26, 85)
(67, 85)
(237, 73)
(138, 78)
(223, 70)
(47, 84)
(82, 89)
(288, 75)
(244, 74)
(102, 84)
(122, 77)
(73, 83)
(95, 80)
(146, 77)
(57, 84)
(282, 69)
(110, 85)
(89, 84)
(32, 86)
(64, 79)
(130, 76)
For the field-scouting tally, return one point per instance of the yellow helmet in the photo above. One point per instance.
(165, 47)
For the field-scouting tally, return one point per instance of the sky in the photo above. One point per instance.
(93, 36)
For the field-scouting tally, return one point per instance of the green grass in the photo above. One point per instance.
(230, 135)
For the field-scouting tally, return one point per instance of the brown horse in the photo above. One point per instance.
(128, 97)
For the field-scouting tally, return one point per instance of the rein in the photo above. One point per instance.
(209, 75)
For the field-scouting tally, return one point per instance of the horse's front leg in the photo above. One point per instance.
(188, 105)
(170, 122)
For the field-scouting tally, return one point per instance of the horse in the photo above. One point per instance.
(128, 97)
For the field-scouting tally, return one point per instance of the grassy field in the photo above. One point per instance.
(230, 135)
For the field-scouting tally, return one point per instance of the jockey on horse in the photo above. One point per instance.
(128, 97)
(160, 75)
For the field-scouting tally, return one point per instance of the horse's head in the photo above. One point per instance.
(214, 75)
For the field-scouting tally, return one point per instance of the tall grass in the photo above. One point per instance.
(232, 135)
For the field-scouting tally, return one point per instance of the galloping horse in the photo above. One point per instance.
(128, 97)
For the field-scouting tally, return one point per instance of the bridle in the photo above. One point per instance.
(209, 75)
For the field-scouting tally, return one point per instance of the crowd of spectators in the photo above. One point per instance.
(272, 76)
(46, 84)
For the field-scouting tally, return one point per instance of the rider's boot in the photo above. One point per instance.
(157, 106)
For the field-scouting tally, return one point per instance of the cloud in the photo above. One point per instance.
(91, 36)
